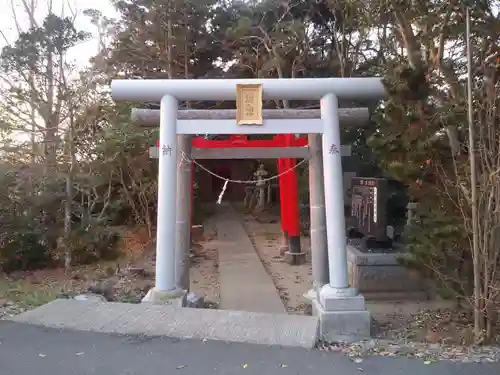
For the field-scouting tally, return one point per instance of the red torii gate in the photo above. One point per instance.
(288, 185)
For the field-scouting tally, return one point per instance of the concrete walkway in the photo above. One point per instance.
(244, 283)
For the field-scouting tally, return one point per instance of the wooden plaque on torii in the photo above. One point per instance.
(249, 104)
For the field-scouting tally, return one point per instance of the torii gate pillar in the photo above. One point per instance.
(289, 205)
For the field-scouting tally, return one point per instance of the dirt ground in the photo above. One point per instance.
(204, 272)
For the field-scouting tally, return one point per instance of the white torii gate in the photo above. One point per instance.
(340, 308)
(348, 117)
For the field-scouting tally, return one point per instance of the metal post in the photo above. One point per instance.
(183, 210)
(167, 196)
(334, 197)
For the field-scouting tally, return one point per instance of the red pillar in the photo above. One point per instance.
(283, 202)
(192, 197)
(292, 192)
(291, 199)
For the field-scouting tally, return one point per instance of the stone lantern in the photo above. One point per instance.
(260, 175)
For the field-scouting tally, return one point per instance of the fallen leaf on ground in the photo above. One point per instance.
(245, 365)
(181, 367)
(427, 362)
(360, 369)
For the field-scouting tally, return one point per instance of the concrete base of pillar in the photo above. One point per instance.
(343, 317)
(197, 233)
(283, 250)
(294, 255)
(285, 246)
(195, 301)
(176, 297)
(295, 259)
(310, 294)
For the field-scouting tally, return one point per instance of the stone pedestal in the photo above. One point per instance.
(197, 232)
(381, 276)
(342, 314)
(176, 297)
(261, 200)
(295, 259)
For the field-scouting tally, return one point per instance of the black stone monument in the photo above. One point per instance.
(369, 207)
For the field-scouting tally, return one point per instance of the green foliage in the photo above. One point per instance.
(25, 230)
(94, 244)
(438, 245)
(23, 251)
(38, 49)
(421, 140)
(27, 295)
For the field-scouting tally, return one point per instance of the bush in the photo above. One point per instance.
(438, 247)
(23, 251)
(97, 243)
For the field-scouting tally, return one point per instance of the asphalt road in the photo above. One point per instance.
(31, 350)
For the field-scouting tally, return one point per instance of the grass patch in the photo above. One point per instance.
(27, 295)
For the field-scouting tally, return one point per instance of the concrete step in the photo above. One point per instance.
(176, 322)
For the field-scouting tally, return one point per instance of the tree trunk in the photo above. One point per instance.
(68, 207)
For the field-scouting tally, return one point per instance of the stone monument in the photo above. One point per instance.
(373, 256)
(369, 207)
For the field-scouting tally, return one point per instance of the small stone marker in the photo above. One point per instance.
(90, 297)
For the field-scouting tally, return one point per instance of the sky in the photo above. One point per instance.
(79, 54)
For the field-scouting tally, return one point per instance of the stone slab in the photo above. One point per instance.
(244, 283)
(177, 322)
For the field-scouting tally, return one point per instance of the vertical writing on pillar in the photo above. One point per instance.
(333, 149)
(166, 150)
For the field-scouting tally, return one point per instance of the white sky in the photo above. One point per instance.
(79, 54)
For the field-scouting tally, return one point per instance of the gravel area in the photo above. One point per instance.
(424, 351)
(9, 309)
